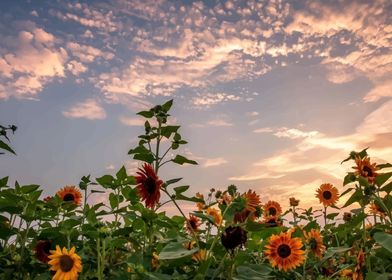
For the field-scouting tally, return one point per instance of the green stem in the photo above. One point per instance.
(157, 147)
(325, 216)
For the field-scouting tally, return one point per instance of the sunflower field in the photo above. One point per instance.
(230, 234)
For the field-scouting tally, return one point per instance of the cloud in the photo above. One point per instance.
(294, 133)
(207, 100)
(381, 90)
(263, 130)
(89, 109)
(219, 122)
(76, 67)
(87, 53)
(132, 121)
(214, 162)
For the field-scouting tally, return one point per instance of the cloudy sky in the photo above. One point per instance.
(271, 95)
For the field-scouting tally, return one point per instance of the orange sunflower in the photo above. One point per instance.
(148, 185)
(200, 255)
(193, 223)
(252, 203)
(215, 213)
(315, 241)
(366, 169)
(327, 194)
(70, 194)
(376, 209)
(358, 274)
(200, 205)
(67, 264)
(284, 251)
(272, 208)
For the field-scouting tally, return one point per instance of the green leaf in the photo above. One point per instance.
(384, 239)
(166, 107)
(146, 114)
(349, 178)
(5, 146)
(356, 197)
(149, 158)
(382, 178)
(70, 223)
(121, 174)
(387, 188)
(181, 160)
(376, 276)
(253, 272)
(168, 130)
(363, 181)
(331, 216)
(175, 250)
(386, 165)
(139, 150)
(172, 181)
(331, 251)
(181, 189)
(29, 188)
(3, 182)
(346, 191)
(113, 200)
(106, 181)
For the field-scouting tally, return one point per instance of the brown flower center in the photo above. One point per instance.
(150, 185)
(313, 244)
(272, 211)
(193, 224)
(66, 263)
(284, 251)
(69, 197)
(327, 195)
(47, 247)
(368, 170)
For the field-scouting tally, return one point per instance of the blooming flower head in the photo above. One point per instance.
(327, 194)
(233, 237)
(272, 208)
(148, 185)
(285, 252)
(366, 169)
(294, 202)
(70, 194)
(200, 255)
(67, 264)
(193, 223)
(42, 250)
(200, 205)
(315, 241)
(376, 209)
(251, 205)
(215, 213)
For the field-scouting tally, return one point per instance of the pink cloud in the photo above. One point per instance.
(89, 109)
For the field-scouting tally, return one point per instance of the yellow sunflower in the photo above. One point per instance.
(366, 169)
(284, 251)
(327, 194)
(315, 241)
(215, 213)
(70, 194)
(200, 255)
(67, 264)
(272, 209)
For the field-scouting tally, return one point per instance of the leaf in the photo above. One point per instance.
(376, 276)
(356, 197)
(175, 250)
(382, 178)
(106, 181)
(253, 272)
(387, 188)
(3, 182)
(331, 216)
(149, 158)
(384, 239)
(166, 106)
(168, 130)
(181, 189)
(363, 181)
(172, 181)
(113, 200)
(29, 188)
(349, 178)
(5, 146)
(331, 251)
(386, 165)
(121, 174)
(70, 223)
(181, 160)
(139, 150)
(346, 191)
(146, 114)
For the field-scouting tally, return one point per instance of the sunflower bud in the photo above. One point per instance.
(233, 237)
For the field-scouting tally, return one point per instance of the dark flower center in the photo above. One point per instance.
(150, 185)
(368, 171)
(233, 237)
(193, 224)
(66, 263)
(69, 197)
(284, 251)
(272, 211)
(313, 244)
(327, 195)
(46, 248)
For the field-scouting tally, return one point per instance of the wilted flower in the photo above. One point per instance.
(233, 237)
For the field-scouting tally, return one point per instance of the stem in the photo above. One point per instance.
(168, 149)
(157, 147)
(325, 216)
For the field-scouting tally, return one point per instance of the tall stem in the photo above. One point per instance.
(325, 216)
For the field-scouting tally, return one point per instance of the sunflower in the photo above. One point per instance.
(272, 221)
(294, 202)
(315, 241)
(148, 185)
(284, 251)
(366, 169)
(67, 264)
(215, 214)
(347, 216)
(272, 208)
(358, 274)
(70, 194)
(42, 250)
(200, 255)
(327, 194)
(233, 237)
(193, 223)
(252, 200)
(225, 199)
(376, 209)
(200, 205)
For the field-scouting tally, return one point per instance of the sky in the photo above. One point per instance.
(271, 95)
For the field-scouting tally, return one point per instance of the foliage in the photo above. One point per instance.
(225, 237)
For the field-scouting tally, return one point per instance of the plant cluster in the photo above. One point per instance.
(230, 234)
